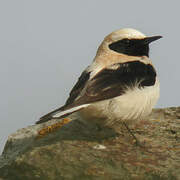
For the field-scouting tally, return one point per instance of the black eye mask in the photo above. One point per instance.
(131, 47)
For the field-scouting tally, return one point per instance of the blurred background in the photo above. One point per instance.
(45, 45)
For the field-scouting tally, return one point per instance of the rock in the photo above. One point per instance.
(82, 151)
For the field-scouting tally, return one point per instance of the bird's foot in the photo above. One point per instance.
(136, 141)
(51, 128)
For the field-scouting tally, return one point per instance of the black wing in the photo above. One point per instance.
(76, 90)
(114, 80)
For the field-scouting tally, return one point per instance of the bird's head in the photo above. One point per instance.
(128, 41)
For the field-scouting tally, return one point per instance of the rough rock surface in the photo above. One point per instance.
(80, 151)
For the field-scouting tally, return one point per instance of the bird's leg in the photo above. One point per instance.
(53, 127)
(137, 142)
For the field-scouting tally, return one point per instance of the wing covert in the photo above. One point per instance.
(114, 80)
(76, 90)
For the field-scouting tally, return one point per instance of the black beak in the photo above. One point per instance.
(148, 40)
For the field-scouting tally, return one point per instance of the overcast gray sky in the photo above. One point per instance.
(45, 44)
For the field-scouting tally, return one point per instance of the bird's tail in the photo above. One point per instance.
(60, 113)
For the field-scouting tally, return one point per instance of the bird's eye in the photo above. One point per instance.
(126, 41)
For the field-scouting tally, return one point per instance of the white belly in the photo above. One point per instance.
(134, 104)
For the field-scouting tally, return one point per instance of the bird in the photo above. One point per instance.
(121, 84)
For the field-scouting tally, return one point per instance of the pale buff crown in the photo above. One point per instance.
(128, 33)
(124, 33)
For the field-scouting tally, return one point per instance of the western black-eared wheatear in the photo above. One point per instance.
(121, 84)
